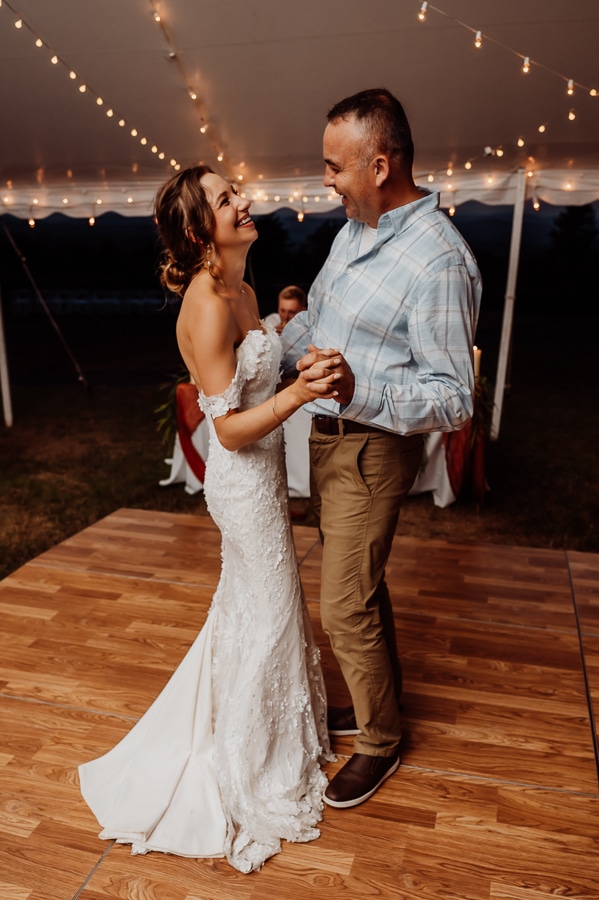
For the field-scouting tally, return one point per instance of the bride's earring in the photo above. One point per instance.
(208, 259)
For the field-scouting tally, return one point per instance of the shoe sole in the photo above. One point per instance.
(347, 804)
(344, 732)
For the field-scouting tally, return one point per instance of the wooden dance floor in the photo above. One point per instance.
(496, 799)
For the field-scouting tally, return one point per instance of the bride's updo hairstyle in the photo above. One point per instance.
(185, 223)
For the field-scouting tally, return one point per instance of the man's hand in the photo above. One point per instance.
(317, 364)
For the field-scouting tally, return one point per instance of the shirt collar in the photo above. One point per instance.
(398, 219)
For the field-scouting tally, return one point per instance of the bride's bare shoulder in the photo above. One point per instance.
(203, 304)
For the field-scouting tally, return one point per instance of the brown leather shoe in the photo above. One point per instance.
(341, 720)
(359, 778)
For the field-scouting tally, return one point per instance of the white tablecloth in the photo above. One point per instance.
(432, 477)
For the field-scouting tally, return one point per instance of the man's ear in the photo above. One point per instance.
(381, 169)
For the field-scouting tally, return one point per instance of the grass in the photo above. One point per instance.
(74, 455)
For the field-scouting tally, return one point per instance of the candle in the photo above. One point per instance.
(477, 356)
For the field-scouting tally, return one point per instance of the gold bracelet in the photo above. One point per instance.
(274, 412)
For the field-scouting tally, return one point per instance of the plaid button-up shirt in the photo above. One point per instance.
(403, 314)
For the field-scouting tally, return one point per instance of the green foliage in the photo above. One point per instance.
(167, 410)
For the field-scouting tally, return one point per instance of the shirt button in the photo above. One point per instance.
(349, 269)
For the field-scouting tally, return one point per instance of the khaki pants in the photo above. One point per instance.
(358, 482)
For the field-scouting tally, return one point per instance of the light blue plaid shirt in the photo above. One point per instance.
(403, 314)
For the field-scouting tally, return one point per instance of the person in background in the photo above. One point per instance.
(292, 299)
(397, 299)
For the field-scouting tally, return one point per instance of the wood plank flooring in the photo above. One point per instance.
(497, 797)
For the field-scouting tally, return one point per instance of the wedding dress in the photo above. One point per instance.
(226, 761)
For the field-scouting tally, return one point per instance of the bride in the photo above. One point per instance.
(226, 761)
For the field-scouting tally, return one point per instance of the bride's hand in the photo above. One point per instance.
(317, 367)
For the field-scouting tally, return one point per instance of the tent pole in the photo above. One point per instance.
(4, 381)
(508, 307)
(23, 261)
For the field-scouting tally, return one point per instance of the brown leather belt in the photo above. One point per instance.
(336, 426)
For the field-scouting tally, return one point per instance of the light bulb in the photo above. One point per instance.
(542, 129)
(478, 40)
(156, 16)
(449, 172)
(31, 223)
(54, 60)
(499, 152)
(92, 220)
(571, 115)
(422, 13)
(99, 101)
(72, 75)
(300, 217)
(526, 65)
(520, 142)
(570, 90)
(39, 43)
(82, 88)
(452, 210)
(430, 178)
(535, 204)
(19, 23)
(110, 113)
(468, 165)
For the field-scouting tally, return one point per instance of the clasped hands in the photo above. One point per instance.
(327, 374)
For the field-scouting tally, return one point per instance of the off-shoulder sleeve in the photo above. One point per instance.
(219, 404)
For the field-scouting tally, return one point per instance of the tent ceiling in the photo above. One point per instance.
(265, 73)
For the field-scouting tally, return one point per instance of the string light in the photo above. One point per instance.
(55, 60)
(571, 115)
(526, 65)
(92, 220)
(31, 222)
(478, 40)
(422, 13)
(542, 129)
(570, 89)
(520, 141)
(468, 164)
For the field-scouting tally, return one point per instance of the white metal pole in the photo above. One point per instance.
(508, 307)
(4, 382)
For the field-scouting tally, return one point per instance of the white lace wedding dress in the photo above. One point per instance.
(226, 760)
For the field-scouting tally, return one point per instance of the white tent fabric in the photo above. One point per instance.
(264, 73)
